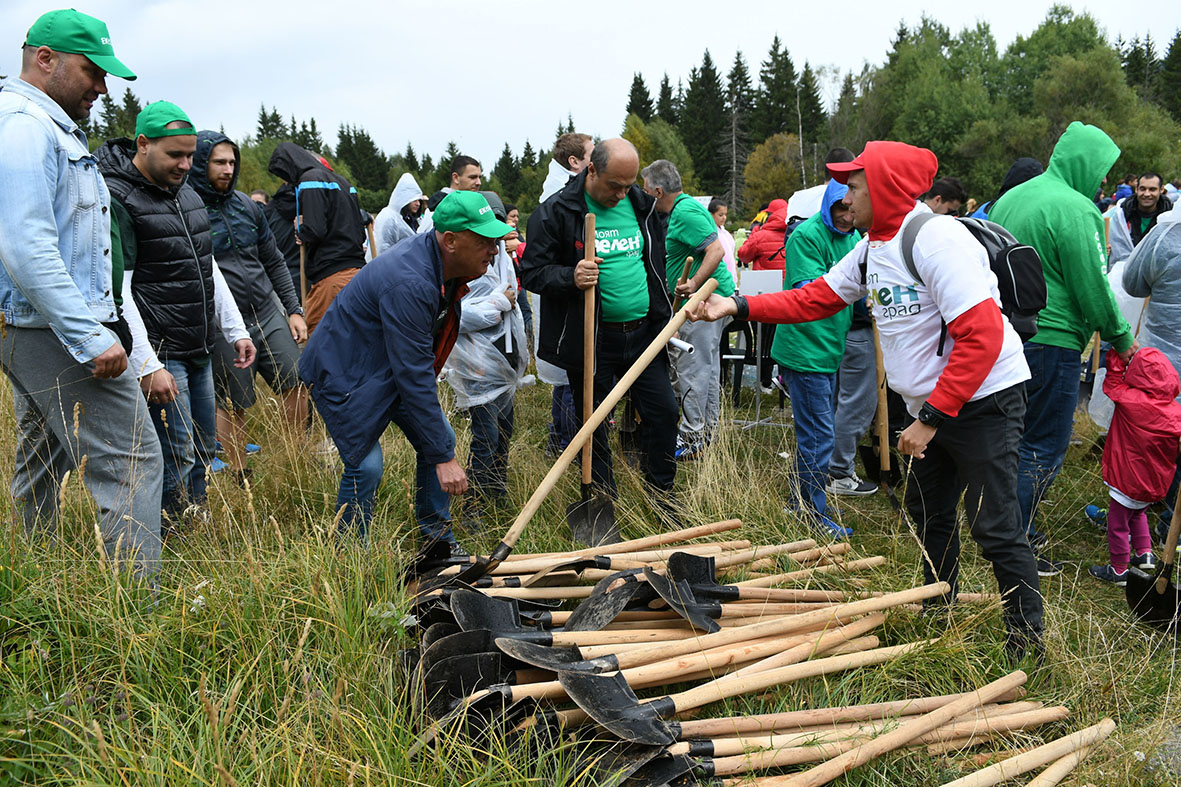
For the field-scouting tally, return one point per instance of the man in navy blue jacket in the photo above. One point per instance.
(375, 358)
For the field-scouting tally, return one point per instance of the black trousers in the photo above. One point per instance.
(652, 395)
(974, 455)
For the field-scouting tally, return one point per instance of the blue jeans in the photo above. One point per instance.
(492, 429)
(563, 420)
(1049, 419)
(358, 494)
(187, 428)
(812, 409)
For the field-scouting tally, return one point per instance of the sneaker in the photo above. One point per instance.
(851, 487)
(832, 529)
(1145, 562)
(251, 448)
(688, 450)
(1109, 574)
(217, 465)
(779, 384)
(1048, 568)
(1096, 516)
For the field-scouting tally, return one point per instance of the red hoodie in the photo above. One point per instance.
(1140, 454)
(763, 250)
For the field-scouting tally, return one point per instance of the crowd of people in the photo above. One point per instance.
(139, 287)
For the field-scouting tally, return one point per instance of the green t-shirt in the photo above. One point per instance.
(623, 284)
(690, 230)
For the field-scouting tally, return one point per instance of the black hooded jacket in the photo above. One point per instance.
(243, 244)
(327, 209)
(555, 246)
(167, 243)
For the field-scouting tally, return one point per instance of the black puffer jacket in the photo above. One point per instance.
(555, 246)
(329, 214)
(173, 261)
(242, 240)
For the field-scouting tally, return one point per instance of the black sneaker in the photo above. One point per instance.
(1048, 568)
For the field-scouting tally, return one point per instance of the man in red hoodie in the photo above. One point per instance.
(965, 391)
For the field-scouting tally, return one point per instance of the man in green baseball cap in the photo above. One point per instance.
(69, 55)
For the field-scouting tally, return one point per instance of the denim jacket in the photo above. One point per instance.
(55, 225)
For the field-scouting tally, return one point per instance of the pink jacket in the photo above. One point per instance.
(1140, 455)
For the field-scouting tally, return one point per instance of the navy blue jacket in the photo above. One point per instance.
(377, 350)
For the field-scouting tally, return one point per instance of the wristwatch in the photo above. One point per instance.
(931, 417)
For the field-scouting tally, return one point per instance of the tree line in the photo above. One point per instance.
(750, 138)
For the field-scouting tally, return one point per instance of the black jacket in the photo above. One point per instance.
(280, 213)
(329, 214)
(555, 246)
(1132, 216)
(166, 238)
(243, 244)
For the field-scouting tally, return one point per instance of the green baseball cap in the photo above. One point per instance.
(153, 121)
(468, 210)
(78, 34)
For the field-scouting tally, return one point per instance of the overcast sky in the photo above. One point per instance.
(486, 73)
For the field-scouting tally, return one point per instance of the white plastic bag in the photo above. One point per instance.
(1100, 407)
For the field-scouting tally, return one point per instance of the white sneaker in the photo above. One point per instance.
(850, 487)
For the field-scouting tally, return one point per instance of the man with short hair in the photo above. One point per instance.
(692, 233)
(260, 196)
(946, 196)
(967, 403)
(76, 405)
(1054, 214)
(179, 293)
(571, 154)
(466, 175)
(379, 352)
(1134, 217)
(327, 224)
(632, 300)
(256, 272)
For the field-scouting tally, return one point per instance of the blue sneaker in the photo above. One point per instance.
(832, 529)
(251, 448)
(216, 466)
(1097, 516)
(1109, 574)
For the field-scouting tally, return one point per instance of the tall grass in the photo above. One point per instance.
(271, 656)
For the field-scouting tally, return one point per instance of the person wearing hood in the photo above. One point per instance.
(327, 223)
(280, 213)
(181, 295)
(1054, 214)
(1139, 455)
(1022, 170)
(1135, 217)
(378, 354)
(809, 355)
(489, 357)
(763, 248)
(698, 374)
(262, 287)
(968, 402)
(399, 219)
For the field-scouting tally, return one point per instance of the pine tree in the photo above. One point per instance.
(775, 101)
(410, 160)
(125, 115)
(308, 137)
(666, 107)
(368, 165)
(508, 172)
(1142, 67)
(702, 125)
(639, 102)
(739, 103)
(528, 157)
(1170, 93)
(107, 112)
(270, 124)
(811, 107)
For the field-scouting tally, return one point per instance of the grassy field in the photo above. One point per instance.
(271, 655)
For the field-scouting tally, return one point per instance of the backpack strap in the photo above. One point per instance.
(863, 264)
(909, 235)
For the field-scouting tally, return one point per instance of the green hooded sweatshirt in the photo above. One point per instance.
(1055, 214)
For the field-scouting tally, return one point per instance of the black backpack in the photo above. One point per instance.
(1017, 267)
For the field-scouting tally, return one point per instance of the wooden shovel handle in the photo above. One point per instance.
(1061, 768)
(303, 275)
(372, 242)
(588, 346)
(588, 427)
(883, 411)
(1170, 556)
(677, 299)
(778, 579)
(638, 544)
(1035, 758)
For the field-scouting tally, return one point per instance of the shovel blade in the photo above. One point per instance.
(555, 659)
(679, 597)
(592, 520)
(695, 570)
(1159, 610)
(661, 771)
(615, 764)
(451, 680)
(611, 702)
(600, 608)
(474, 610)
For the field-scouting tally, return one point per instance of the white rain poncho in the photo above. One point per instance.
(477, 370)
(1154, 271)
(389, 227)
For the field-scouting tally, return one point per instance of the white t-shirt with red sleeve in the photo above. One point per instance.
(910, 315)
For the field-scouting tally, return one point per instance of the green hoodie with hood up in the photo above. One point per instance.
(1055, 214)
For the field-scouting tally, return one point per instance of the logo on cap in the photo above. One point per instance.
(484, 210)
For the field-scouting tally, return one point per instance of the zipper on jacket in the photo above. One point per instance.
(648, 247)
(200, 275)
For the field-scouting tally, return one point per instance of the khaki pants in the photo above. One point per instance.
(322, 293)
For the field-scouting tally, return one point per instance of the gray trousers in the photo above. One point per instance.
(65, 417)
(857, 400)
(697, 382)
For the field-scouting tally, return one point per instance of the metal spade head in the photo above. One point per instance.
(450, 680)
(611, 702)
(607, 599)
(662, 771)
(1159, 610)
(681, 600)
(615, 763)
(696, 570)
(555, 659)
(432, 556)
(474, 610)
(592, 520)
(436, 631)
(468, 573)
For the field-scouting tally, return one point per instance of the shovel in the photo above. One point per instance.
(592, 517)
(883, 422)
(1154, 599)
(502, 550)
